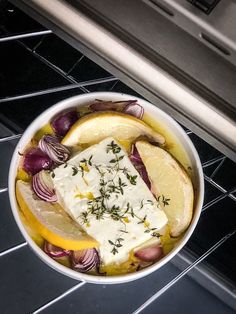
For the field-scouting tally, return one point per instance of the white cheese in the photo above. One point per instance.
(80, 184)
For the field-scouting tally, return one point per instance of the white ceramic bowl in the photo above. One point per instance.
(157, 114)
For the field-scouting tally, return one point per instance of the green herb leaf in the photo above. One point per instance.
(120, 158)
(113, 147)
(132, 179)
(75, 170)
(82, 170)
(112, 161)
(89, 161)
(156, 235)
(124, 231)
(165, 200)
(114, 250)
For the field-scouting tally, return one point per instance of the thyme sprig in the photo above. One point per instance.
(83, 165)
(148, 202)
(113, 147)
(76, 169)
(87, 161)
(99, 208)
(142, 220)
(84, 216)
(132, 179)
(116, 188)
(165, 201)
(117, 244)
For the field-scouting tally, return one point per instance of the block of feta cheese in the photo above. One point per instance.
(100, 188)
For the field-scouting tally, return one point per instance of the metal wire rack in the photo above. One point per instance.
(10, 138)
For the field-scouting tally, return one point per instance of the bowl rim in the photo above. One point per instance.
(69, 103)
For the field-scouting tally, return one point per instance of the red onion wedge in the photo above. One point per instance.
(134, 109)
(102, 105)
(55, 251)
(85, 260)
(35, 160)
(150, 254)
(143, 173)
(43, 187)
(138, 164)
(63, 122)
(134, 156)
(51, 146)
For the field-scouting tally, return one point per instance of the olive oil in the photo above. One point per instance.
(23, 175)
(46, 129)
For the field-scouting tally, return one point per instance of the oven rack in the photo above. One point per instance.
(83, 87)
(167, 286)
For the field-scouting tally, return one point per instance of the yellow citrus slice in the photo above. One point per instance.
(171, 184)
(95, 127)
(38, 239)
(51, 221)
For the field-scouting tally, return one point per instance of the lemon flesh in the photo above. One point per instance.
(170, 180)
(51, 221)
(95, 127)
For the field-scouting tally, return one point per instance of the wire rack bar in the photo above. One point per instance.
(10, 137)
(61, 296)
(2, 190)
(214, 201)
(220, 188)
(12, 249)
(59, 89)
(232, 196)
(217, 168)
(22, 36)
(183, 273)
(212, 161)
(216, 185)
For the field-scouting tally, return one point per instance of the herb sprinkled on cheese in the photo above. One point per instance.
(101, 189)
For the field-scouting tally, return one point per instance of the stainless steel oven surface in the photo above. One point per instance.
(45, 59)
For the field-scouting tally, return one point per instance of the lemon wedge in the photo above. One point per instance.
(38, 239)
(51, 221)
(171, 184)
(95, 127)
